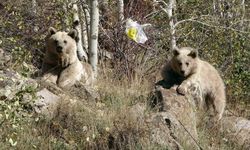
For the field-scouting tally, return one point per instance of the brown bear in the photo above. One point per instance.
(61, 64)
(186, 69)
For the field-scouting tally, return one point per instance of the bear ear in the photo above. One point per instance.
(176, 52)
(52, 31)
(76, 23)
(73, 33)
(193, 53)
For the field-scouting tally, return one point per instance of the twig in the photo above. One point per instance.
(152, 13)
(209, 25)
(161, 1)
(200, 147)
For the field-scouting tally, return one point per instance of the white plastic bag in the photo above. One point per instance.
(135, 31)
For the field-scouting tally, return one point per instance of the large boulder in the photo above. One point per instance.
(178, 114)
(172, 121)
(46, 102)
(11, 83)
(237, 130)
(51, 97)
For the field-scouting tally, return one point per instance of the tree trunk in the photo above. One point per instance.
(86, 25)
(34, 6)
(243, 14)
(94, 22)
(76, 21)
(120, 10)
(65, 20)
(84, 28)
(170, 9)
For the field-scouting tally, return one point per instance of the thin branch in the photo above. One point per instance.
(152, 14)
(209, 25)
(161, 1)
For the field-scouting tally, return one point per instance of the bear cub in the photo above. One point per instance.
(186, 69)
(61, 64)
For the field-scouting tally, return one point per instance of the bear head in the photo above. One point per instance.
(185, 61)
(61, 43)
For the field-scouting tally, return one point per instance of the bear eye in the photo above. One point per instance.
(180, 63)
(187, 63)
(56, 41)
(65, 42)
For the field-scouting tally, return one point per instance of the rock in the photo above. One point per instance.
(78, 91)
(57, 101)
(83, 92)
(178, 113)
(11, 83)
(237, 130)
(156, 124)
(162, 131)
(46, 103)
(178, 116)
(174, 125)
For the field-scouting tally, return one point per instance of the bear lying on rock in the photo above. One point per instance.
(61, 64)
(186, 69)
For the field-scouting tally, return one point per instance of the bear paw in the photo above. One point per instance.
(65, 61)
(181, 90)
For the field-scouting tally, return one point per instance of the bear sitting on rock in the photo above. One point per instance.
(186, 69)
(61, 64)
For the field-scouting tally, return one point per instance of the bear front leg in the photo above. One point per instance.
(183, 87)
(64, 60)
(50, 77)
(70, 75)
(50, 73)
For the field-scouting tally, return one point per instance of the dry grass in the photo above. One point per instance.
(105, 124)
(86, 125)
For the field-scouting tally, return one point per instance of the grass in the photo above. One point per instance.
(105, 124)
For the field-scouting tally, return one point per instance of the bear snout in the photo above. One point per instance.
(182, 72)
(59, 49)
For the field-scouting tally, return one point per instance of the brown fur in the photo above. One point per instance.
(186, 69)
(61, 64)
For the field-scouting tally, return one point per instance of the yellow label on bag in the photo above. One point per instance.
(132, 32)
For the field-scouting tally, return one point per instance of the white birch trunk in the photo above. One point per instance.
(94, 22)
(120, 10)
(170, 9)
(86, 27)
(80, 51)
(33, 12)
(65, 21)
(243, 14)
(34, 6)
(85, 36)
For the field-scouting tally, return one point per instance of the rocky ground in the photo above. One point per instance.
(167, 119)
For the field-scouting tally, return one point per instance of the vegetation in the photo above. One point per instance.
(220, 31)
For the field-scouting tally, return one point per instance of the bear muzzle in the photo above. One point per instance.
(59, 49)
(182, 72)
